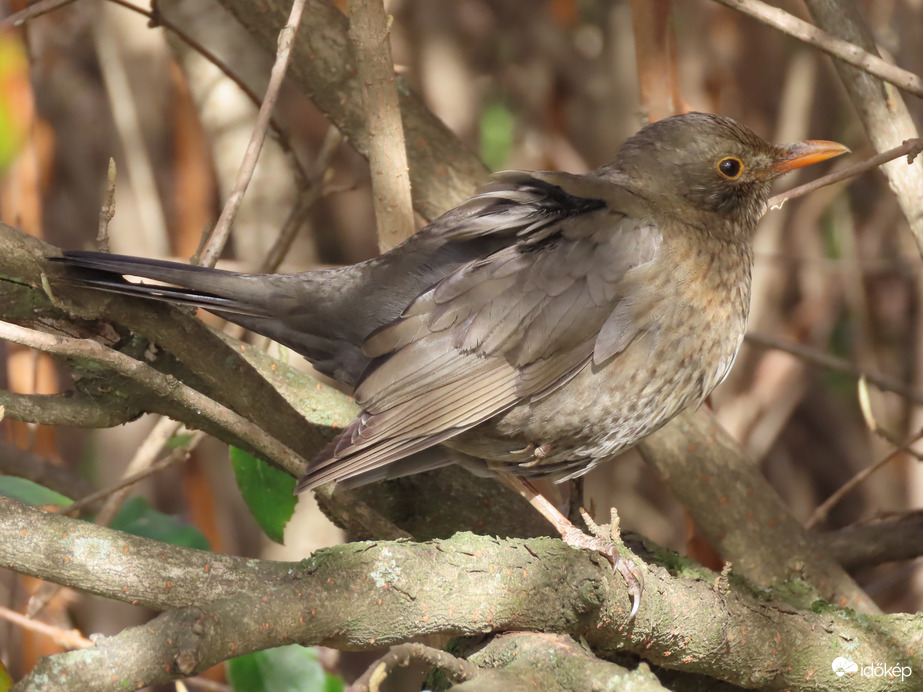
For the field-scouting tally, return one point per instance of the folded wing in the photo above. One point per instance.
(510, 326)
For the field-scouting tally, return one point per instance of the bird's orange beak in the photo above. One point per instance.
(805, 153)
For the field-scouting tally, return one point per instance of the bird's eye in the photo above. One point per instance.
(730, 167)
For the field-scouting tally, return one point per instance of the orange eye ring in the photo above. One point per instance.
(730, 167)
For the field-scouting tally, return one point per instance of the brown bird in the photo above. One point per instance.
(541, 327)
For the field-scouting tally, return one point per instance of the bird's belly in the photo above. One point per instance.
(604, 409)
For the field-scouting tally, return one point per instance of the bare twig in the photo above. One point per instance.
(824, 508)
(143, 457)
(70, 639)
(837, 47)
(161, 385)
(825, 360)
(455, 669)
(108, 209)
(370, 35)
(35, 10)
(177, 455)
(902, 266)
(865, 405)
(222, 228)
(910, 148)
(444, 171)
(306, 200)
(157, 19)
(139, 169)
(883, 112)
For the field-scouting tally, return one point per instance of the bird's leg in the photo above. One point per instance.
(574, 537)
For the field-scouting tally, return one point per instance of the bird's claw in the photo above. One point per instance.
(603, 542)
(634, 579)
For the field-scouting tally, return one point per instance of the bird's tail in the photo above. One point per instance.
(204, 287)
(304, 312)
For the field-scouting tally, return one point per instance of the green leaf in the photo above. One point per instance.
(497, 125)
(178, 440)
(267, 491)
(285, 669)
(6, 682)
(138, 518)
(31, 493)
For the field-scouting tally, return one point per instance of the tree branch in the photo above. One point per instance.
(222, 230)
(887, 539)
(23, 463)
(208, 361)
(399, 656)
(162, 386)
(707, 470)
(226, 606)
(71, 409)
(371, 39)
(844, 50)
(882, 110)
(820, 359)
(910, 148)
(443, 171)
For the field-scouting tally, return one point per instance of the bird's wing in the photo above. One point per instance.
(515, 324)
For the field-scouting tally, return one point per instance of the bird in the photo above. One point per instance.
(546, 324)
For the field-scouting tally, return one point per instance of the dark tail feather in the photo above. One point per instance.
(301, 311)
(204, 287)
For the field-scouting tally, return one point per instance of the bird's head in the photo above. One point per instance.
(710, 170)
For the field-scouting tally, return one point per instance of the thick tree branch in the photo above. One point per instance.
(72, 409)
(887, 539)
(740, 513)
(455, 669)
(556, 662)
(468, 585)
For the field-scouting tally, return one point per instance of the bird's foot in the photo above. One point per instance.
(603, 541)
(537, 452)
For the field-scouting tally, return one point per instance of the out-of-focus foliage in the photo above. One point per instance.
(15, 97)
(6, 682)
(138, 518)
(31, 493)
(496, 135)
(285, 669)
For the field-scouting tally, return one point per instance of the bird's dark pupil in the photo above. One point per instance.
(730, 167)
